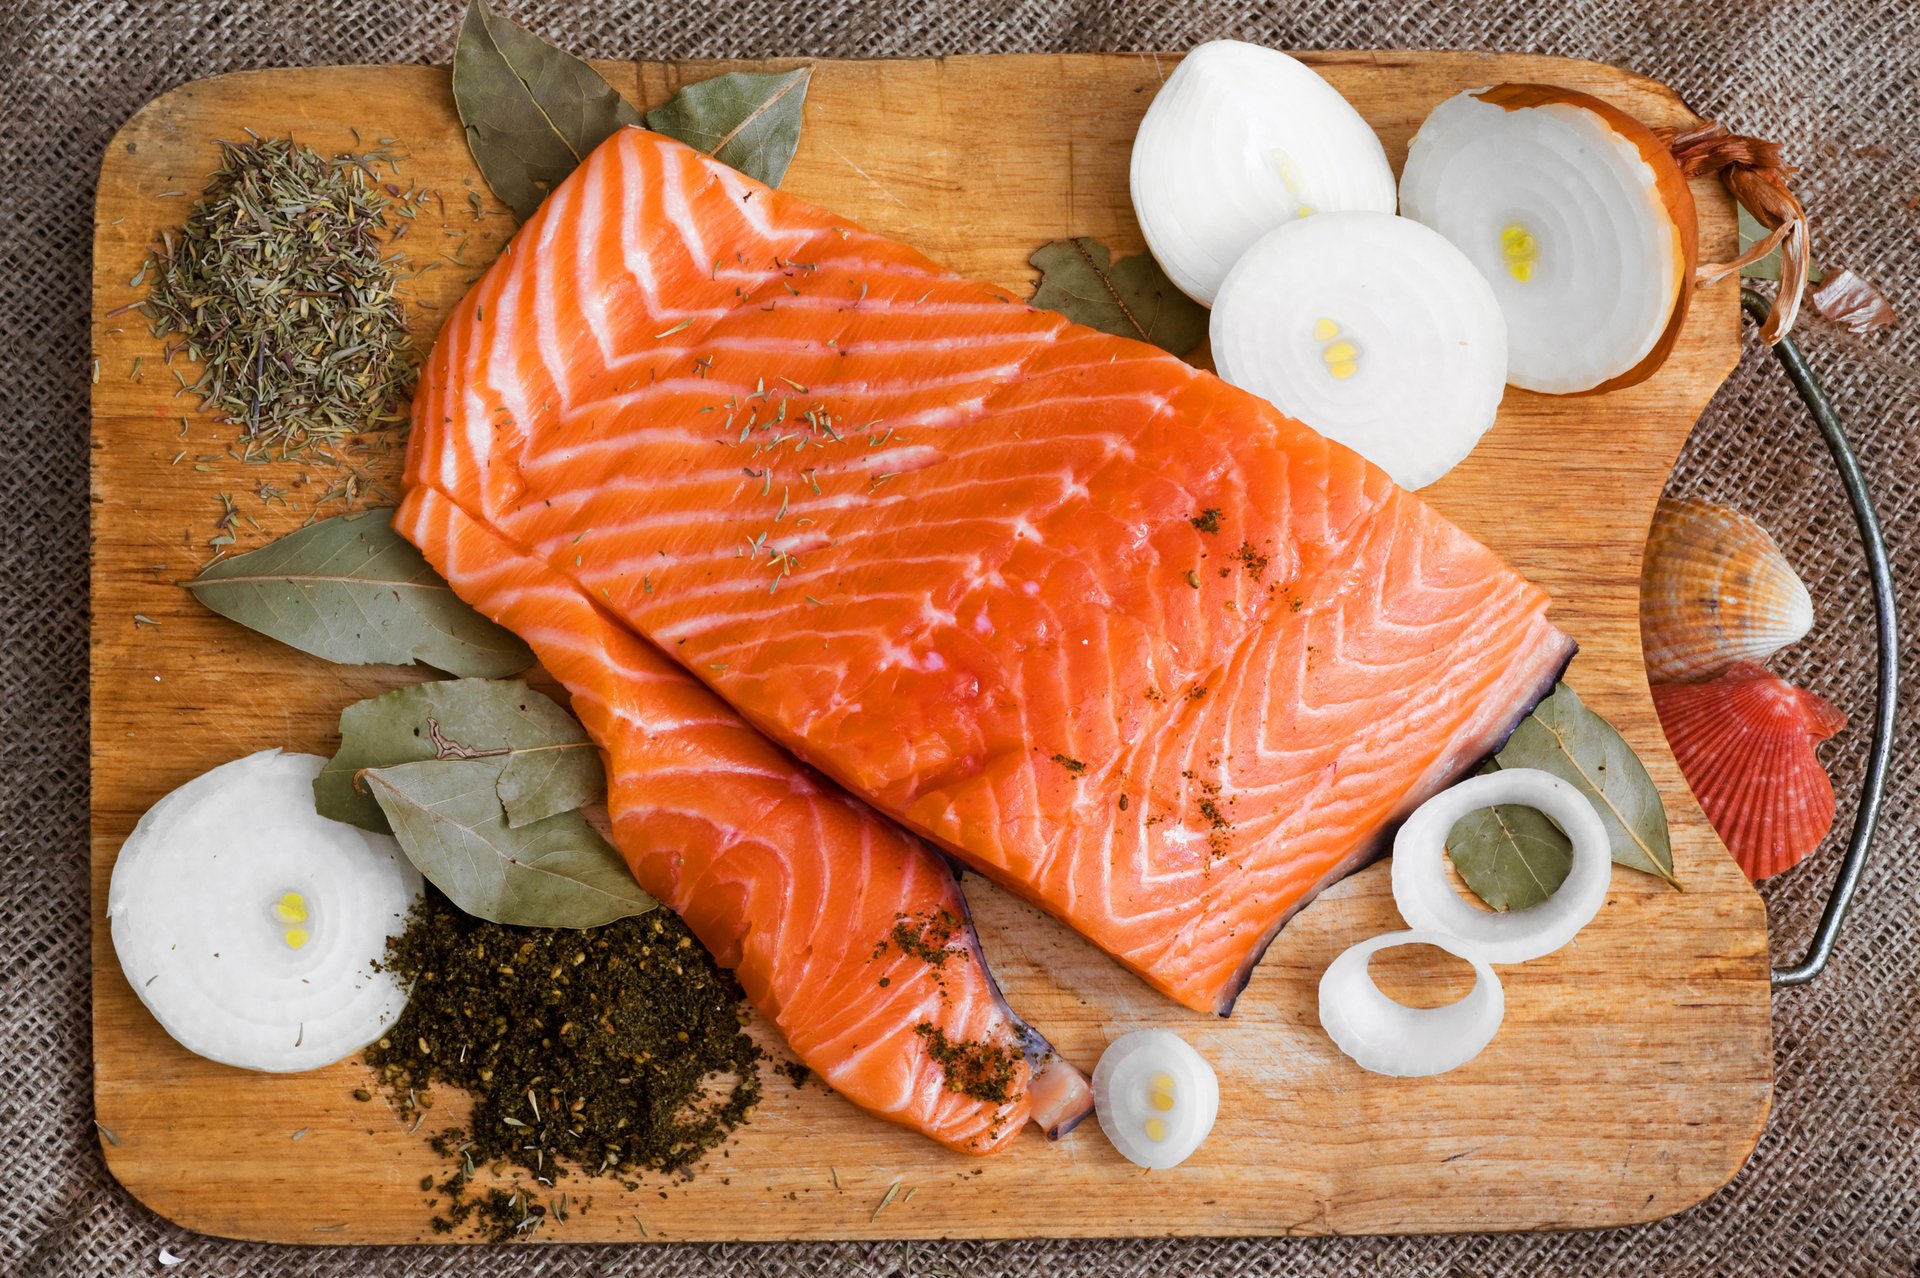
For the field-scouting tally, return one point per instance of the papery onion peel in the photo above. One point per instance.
(1753, 170)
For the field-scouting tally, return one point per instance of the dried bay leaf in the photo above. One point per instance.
(747, 120)
(352, 590)
(1564, 737)
(556, 872)
(532, 112)
(1130, 298)
(549, 765)
(1508, 854)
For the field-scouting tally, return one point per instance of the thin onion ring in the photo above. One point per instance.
(1386, 1037)
(1429, 902)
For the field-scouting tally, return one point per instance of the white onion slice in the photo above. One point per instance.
(1156, 1097)
(248, 923)
(1578, 216)
(1239, 140)
(1374, 331)
(1386, 1037)
(1428, 901)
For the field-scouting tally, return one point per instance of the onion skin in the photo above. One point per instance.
(1755, 172)
(1668, 181)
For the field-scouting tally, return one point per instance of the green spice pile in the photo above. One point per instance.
(278, 285)
(614, 1049)
(983, 1070)
(927, 937)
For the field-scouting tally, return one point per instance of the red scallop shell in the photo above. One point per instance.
(1745, 744)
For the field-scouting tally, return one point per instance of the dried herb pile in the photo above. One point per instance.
(615, 1050)
(280, 286)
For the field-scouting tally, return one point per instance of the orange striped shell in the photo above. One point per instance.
(1745, 742)
(1715, 590)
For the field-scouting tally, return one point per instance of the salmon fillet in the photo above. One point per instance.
(1130, 641)
(802, 892)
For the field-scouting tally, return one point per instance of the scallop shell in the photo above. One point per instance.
(1715, 590)
(1745, 744)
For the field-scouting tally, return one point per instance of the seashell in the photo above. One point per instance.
(1714, 590)
(1745, 744)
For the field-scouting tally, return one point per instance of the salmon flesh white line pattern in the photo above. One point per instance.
(791, 884)
(1128, 640)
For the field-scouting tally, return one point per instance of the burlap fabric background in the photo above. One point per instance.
(1835, 1185)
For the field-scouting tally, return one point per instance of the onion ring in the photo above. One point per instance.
(1429, 902)
(1386, 1037)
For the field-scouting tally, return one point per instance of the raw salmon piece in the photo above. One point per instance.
(789, 883)
(1155, 656)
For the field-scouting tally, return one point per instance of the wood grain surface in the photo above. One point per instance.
(1634, 1070)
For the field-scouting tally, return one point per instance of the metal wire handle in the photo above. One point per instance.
(1847, 882)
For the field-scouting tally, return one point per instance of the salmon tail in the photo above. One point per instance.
(1061, 1096)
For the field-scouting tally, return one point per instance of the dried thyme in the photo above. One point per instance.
(279, 287)
(1252, 560)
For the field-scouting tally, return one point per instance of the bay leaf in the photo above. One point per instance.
(748, 120)
(1564, 737)
(1129, 298)
(549, 765)
(1510, 856)
(556, 872)
(1507, 854)
(532, 112)
(351, 590)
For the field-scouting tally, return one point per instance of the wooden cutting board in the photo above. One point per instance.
(1635, 1068)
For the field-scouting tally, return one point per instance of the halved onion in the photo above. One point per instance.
(1371, 329)
(1429, 902)
(249, 924)
(1385, 1037)
(1156, 1097)
(1577, 214)
(1240, 139)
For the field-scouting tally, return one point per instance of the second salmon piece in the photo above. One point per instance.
(849, 936)
(1153, 655)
